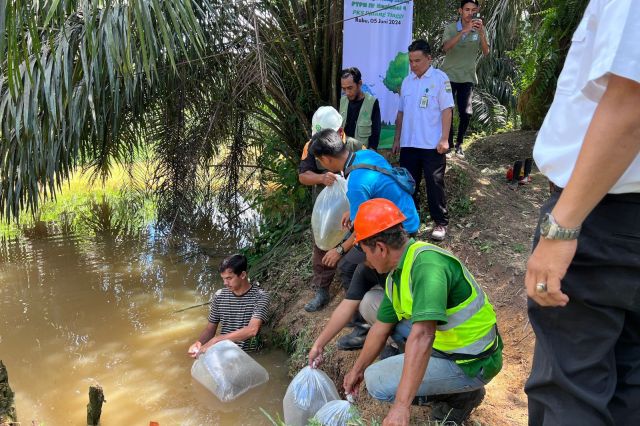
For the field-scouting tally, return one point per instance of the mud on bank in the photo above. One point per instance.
(490, 230)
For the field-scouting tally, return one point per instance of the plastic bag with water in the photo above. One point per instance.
(337, 413)
(227, 371)
(327, 214)
(309, 391)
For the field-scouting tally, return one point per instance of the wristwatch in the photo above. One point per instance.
(340, 249)
(550, 230)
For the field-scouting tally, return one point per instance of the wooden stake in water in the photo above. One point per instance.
(94, 407)
(7, 408)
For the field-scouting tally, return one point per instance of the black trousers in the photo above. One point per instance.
(433, 165)
(462, 94)
(586, 364)
(348, 264)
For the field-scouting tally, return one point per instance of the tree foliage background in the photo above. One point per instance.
(220, 93)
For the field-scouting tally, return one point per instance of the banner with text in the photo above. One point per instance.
(376, 36)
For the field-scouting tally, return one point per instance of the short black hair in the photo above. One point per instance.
(420, 45)
(352, 72)
(327, 142)
(236, 262)
(463, 2)
(395, 237)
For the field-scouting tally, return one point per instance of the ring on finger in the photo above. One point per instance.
(541, 288)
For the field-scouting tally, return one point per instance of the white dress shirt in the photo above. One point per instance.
(606, 42)
(422, 126)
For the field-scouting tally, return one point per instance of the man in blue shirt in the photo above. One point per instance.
(362, 185)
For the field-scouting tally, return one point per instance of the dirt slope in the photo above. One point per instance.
(491, 228)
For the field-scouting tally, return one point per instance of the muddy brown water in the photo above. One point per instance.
(78, 311)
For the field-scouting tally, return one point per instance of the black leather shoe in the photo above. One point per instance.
(354, 340)
(319, 301)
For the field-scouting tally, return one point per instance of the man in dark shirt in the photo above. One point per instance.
(360, 111)
(312, 173)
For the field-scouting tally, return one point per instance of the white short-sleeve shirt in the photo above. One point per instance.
(605, 43)
(422, 124)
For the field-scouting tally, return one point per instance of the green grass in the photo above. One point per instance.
(88, 205)
(519, 248)
(386, 137)
(458, 191)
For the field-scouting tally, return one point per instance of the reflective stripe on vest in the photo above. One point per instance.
(363, 123)
(470, 327)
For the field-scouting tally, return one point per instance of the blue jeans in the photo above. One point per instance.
(441, 377)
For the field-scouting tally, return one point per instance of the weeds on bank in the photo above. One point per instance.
(359, 421)
(356, 421)
(485, 247)
(519, 248)
(296, 345)
(458, 187)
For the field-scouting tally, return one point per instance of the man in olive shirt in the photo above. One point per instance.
(360, 111)
(463, 40)
(452, 348)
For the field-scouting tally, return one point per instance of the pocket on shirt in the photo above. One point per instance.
(365, 129)
(434, 103)
(407, 95)
(578, 63)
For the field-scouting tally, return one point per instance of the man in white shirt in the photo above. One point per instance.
(583, 278)
(422, 131)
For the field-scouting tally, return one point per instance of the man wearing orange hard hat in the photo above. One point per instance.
(433, 307)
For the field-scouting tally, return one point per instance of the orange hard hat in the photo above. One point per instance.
(375, 216)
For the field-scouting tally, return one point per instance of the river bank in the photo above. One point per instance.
(491, 228)
(137, 289)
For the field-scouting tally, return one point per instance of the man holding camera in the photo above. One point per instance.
(463, 40)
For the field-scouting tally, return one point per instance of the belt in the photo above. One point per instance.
(628, 197)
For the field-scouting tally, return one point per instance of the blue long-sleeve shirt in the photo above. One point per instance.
(365, 184)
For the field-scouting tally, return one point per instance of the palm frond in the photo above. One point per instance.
(76, 74)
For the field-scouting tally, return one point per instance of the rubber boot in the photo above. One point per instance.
(356, 320)
(456, 407)
(355, 339)
(319, 301)
(389, 351)
(517, 168)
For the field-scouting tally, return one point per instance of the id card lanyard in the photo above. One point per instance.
(424, 100)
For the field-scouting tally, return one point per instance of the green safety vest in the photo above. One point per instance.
(471, 325)
(363, 124)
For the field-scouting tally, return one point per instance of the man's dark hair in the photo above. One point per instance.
(352, 72)
(395, 237)
(327, 142)
(463, 2)
(420, 45)
(236, 262)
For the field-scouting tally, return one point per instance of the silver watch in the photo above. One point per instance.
(550, 230)
(340, 249)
